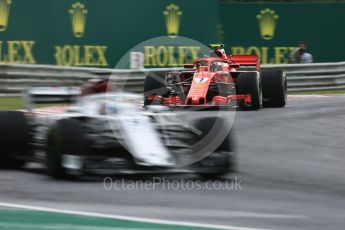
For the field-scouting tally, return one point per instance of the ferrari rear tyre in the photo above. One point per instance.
(14, 139)
(66, 147)
(155, 85)
(274, 88)
(249, 83)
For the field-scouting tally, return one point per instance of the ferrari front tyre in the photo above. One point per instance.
(66, 147)
(154, 85)
(14, 139)
(274, 88)
(249, 83)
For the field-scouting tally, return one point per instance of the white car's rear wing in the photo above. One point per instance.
(64, 94)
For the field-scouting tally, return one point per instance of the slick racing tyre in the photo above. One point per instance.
(249, 83)
(14, 139)
(274, 88)
(223, 159)
(219, 163)
(155, 85)
(66, 147)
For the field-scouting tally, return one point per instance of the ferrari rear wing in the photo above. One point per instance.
(245, 61)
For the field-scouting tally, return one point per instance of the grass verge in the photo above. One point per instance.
(15, 103)
(11, 103)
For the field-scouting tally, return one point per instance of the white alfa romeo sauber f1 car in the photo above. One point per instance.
(112, 133)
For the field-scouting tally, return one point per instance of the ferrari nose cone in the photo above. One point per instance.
(195, 100)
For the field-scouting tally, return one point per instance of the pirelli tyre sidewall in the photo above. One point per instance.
(274, 88)
(14, 139)
(65, 140)
(249, 83)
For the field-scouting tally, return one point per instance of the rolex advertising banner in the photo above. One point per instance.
(273, 30)
(169, 33)
(98, 33)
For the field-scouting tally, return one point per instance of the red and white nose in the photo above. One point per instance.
(195, 100)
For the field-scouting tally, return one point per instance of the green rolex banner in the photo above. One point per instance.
(272, 30)
(98, 33)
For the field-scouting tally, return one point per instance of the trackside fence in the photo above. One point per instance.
(14, 79)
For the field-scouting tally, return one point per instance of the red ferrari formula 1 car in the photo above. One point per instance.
(218, 80)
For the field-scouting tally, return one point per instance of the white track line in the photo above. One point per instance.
(127, 218)
(307, 96)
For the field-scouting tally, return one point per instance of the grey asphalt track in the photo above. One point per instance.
(291, 165)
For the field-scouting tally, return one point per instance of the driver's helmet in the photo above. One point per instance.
(218, 53)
